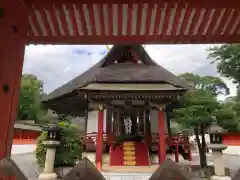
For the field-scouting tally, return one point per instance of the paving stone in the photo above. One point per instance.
(107, 177)
(127, 177)
(115, 178)
(141, 178)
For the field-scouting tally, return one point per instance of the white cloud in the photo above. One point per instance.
(56, 65)
(179, 58)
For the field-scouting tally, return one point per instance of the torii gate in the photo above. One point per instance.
(101, 22)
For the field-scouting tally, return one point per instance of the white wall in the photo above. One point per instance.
(154, 121)
(92, 123)
(80, 122)
(23, 148)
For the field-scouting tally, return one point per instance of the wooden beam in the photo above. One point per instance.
(146, 39)
(203, 3)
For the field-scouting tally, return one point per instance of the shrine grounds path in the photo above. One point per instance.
(28, 165)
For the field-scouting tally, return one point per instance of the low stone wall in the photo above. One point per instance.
(91, 157)
(195, 171)
(154, 158)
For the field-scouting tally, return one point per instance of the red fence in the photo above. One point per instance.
(231, 139)
(25, 136)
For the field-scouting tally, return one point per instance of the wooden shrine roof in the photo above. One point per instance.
(27, 126)
(132, 21)
(106, 71)
(131, 87)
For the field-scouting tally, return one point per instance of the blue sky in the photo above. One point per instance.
(56, 65)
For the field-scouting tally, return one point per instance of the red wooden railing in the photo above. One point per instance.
(176, 141)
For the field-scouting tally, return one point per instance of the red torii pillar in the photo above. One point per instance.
(13, 34)
(161, 133)
(99, 143)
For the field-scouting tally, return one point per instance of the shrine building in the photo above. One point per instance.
(124, 99)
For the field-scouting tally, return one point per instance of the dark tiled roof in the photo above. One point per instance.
(147, 72)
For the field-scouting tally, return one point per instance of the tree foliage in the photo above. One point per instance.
(227, 58)
(214, 84)
(30, 107)
(228, 115)
(195, 113)
(70, 149)
(198, 106)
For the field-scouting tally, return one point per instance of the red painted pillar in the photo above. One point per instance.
(13, 34)
(161, 132)
(99, 144)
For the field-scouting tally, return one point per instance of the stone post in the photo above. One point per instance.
(215, 133)
(50, 155)
(48, 173)
(51, 143)
(219, 168)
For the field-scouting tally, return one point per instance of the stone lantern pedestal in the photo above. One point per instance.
(51, 143)
(216, 145)
(219, 169)
(48, 173)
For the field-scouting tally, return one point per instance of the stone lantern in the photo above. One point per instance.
(216, 132)
(53, 133)
(52, 141)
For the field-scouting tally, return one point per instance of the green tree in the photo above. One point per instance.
(215, 84)
(30, 107)
(195, 113)
(196, 108)
(70, 149)
(229, 114)
(227, 58)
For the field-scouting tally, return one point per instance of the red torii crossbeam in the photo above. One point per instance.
(131, 21)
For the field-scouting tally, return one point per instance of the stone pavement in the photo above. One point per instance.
(126, 176)
(28, 165)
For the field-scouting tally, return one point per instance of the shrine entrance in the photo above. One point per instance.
(131, 121)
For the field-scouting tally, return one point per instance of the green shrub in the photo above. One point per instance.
(69, 150)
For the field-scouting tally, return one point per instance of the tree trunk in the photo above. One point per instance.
(202, 154)
(168, 125)
(203, 158)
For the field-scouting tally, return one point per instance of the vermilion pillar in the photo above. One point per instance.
(161, 132)
(13, 34)
(99, 144)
